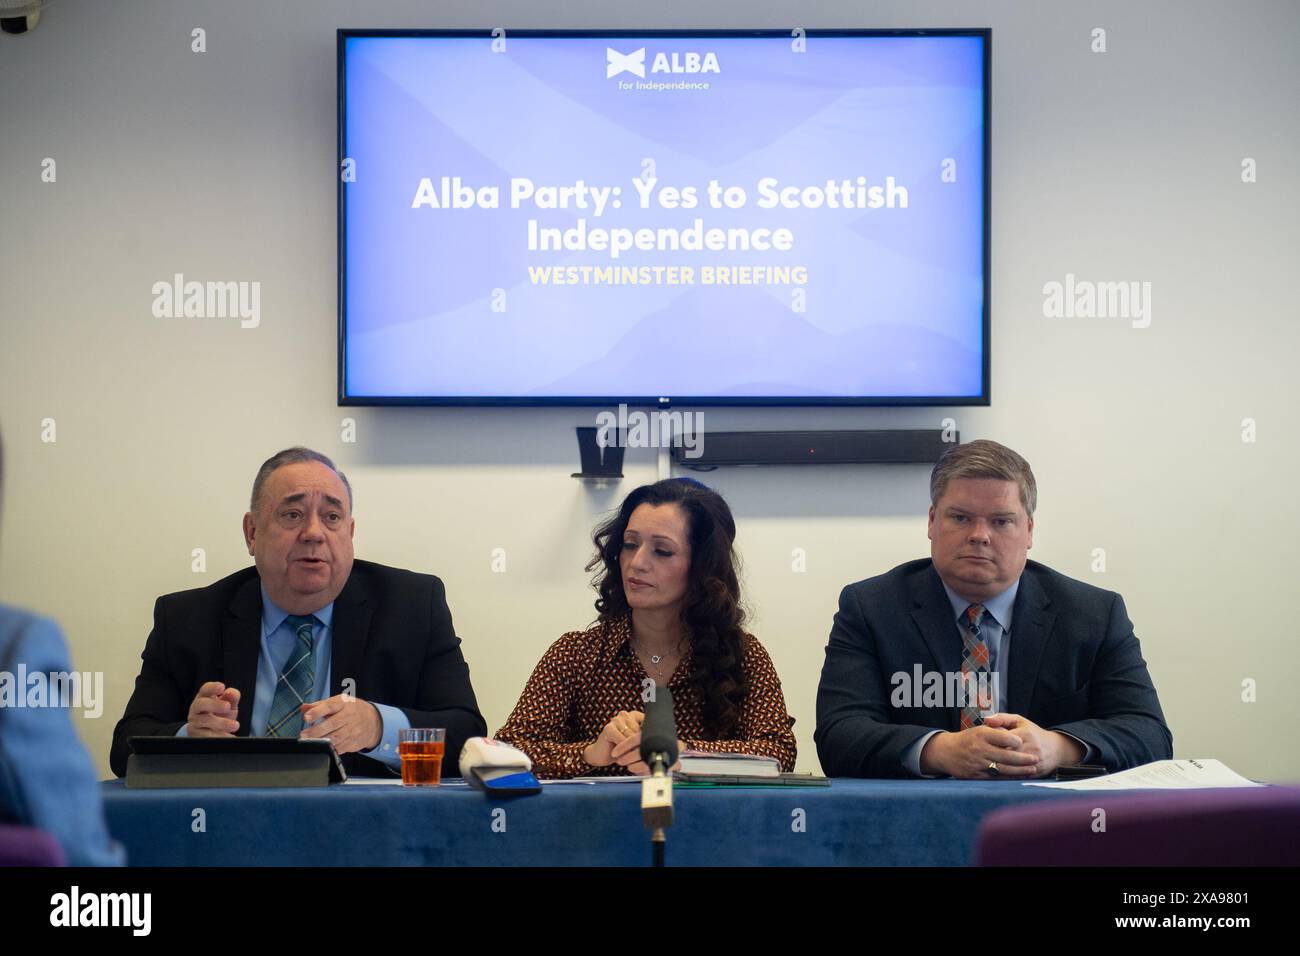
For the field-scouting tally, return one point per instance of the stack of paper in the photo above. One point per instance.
(1160, 775)
(730, 765)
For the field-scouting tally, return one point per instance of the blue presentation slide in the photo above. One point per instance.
(725, 217)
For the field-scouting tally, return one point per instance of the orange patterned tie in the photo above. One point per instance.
(975, 672)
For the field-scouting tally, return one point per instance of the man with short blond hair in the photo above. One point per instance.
(978, 663)
(307, 643)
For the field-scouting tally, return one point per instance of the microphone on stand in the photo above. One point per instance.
(659, 753)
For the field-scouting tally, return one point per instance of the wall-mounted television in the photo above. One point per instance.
(722, 217)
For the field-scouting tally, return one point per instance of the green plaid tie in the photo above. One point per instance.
(296, 681)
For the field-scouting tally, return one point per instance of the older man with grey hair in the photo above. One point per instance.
(976, 662)
(306, 643)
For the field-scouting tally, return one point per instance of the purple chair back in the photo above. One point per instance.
(26, 846)
(1230, 827)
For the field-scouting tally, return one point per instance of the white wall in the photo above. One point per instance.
(1115, 166)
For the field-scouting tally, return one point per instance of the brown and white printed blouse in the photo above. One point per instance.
(586, 677)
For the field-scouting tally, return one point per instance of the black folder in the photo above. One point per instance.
(232, 762)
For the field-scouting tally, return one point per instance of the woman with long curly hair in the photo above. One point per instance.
(670, 615)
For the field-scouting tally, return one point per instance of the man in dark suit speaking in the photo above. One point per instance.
(978, 663)
(308, 643)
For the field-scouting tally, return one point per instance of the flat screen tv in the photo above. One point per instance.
(697, 217)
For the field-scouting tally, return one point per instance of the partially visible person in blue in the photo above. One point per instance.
(47, 779)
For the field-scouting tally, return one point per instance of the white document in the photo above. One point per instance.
(372, 781)
(396, 782)
(1160, 775)
(591, 780)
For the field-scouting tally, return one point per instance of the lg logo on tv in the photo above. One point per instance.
(634, 63)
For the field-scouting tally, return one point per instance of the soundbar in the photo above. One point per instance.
(880, 447)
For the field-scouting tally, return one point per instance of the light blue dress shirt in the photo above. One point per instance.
(278, 640)
(996, 631)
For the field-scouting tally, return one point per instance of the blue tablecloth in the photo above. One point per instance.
(850, 823)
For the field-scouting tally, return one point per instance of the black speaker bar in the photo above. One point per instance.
(882, 447)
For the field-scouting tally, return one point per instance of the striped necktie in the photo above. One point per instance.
(975, 672)
(296, 681)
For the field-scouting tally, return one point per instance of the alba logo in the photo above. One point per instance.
(634, 63)
(616, 63)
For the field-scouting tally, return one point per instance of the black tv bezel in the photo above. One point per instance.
(578, 401)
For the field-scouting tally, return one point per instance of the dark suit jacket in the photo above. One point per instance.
(392, 634)
(1073, 665)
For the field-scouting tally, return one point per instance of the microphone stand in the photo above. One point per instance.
(657, 806)
(659, 752)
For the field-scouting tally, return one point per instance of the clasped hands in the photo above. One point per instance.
(620, 743)
(350, 723)
(1016, 745)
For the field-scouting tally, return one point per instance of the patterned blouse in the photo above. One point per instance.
(586, 677)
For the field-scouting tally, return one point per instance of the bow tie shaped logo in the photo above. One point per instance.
(617, 63)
